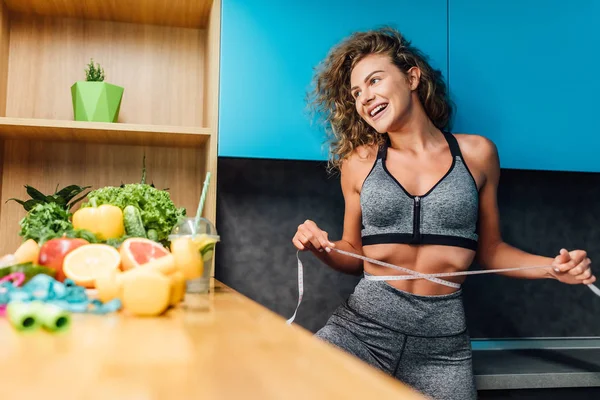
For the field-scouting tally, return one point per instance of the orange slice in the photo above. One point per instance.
(86, 262)
(136, 252)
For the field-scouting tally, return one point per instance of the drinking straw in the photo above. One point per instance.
(202, 200)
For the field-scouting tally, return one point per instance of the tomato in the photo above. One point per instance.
(53, 252)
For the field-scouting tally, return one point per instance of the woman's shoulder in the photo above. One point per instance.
(361, 156)
(356, 166)
(476, 147)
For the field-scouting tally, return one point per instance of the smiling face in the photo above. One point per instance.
(383, 94)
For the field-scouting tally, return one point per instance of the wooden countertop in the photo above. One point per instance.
(216, 346)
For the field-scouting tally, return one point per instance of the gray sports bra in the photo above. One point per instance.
(446, 215)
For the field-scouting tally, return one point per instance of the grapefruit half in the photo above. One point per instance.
(141, 252)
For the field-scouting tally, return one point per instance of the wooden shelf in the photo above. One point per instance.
(165, 53)
(101, 132)
(178, 13)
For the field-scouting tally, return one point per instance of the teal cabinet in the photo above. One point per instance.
(269, 50)
(525, 74)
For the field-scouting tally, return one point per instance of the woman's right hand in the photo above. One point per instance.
(310, 237)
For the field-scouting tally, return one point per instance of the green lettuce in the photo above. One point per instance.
(156, 207)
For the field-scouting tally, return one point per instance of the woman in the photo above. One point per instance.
(415, 196)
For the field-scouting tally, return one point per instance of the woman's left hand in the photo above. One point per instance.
(573, 267)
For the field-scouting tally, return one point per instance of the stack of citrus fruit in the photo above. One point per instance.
(143, 274)
(150, 283)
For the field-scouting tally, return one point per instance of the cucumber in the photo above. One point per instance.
(153, 235)
(132, 219)
(207, 252)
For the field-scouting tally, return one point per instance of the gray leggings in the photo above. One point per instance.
(421, 340)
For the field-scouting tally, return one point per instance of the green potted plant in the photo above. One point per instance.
(94, 99)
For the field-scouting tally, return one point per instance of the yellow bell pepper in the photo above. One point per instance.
(105, 221)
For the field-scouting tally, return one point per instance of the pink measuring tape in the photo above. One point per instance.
(412, 275)
(17, 279)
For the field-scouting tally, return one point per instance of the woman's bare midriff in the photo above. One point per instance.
(425, 259)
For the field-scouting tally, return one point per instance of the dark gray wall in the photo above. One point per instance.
(261, 203)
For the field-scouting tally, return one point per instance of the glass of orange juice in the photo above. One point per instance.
(193, 246)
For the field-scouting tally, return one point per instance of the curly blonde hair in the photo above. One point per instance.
(332, 100)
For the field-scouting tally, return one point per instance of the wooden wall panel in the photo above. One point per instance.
(4, 46)
(44, 165)
(161, 68)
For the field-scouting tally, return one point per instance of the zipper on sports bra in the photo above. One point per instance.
(417, 220)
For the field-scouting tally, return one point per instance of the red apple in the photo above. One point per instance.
(53, 252)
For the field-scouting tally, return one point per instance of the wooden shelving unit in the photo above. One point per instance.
(165, 53)
(100, 132)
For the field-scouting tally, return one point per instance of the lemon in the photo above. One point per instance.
(29, 251)
(177, 287)
(146, 293)
(108, 285)
(205, 245)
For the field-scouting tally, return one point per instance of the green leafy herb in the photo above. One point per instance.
(64, 197)
(44, 220)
